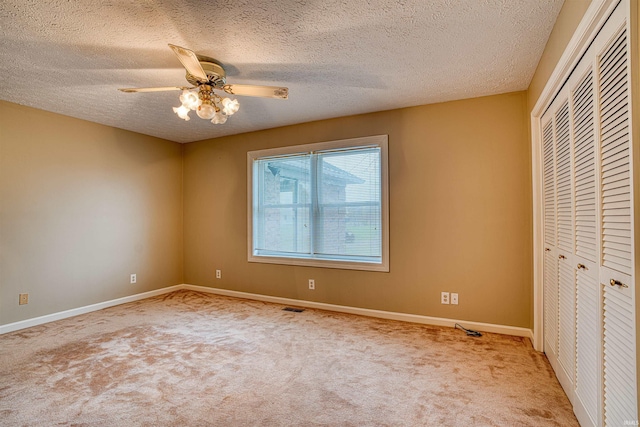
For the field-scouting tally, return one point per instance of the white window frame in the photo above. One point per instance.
(380, 141)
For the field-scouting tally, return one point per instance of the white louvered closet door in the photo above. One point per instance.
(559, 270)
(617, 252)
(565, 245)
(550, 255)
(588, 384)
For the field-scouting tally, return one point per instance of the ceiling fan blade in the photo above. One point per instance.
(152, 89)
(190, 62)
(263, 91)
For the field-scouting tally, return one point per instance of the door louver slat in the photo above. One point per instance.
(563, 165)
(551, 301)
(549, 186)
(587, 341)
(619, 356)
(567, 317)
(585, 165)
(615, 153)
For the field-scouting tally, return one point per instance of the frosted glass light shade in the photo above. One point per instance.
(190, 99)
(206, 111)
(182, 112)
(230, 106)
(219, 119)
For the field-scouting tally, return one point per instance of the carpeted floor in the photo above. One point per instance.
(196, 359)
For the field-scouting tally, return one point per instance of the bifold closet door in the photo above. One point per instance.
(589, 294)
(617, 252)
(588, 384)
(550, 277)
(559, 266)
(565, 245)
(572, 293)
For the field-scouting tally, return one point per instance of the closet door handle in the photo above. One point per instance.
(547, 250)
(582, 267)
(615, 282)
(562, 257)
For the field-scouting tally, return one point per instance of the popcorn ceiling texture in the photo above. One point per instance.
(337, 58)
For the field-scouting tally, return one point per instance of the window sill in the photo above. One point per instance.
(322, 263)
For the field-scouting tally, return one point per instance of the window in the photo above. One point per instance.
(322, 205)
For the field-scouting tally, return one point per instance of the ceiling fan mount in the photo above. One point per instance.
(217, 77)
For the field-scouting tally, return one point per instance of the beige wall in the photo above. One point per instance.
(460, 210)
(81, 207)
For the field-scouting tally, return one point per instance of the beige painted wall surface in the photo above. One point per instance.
(460, 211)
(568, 20)
(81, 207)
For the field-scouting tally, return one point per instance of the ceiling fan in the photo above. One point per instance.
(206, 75)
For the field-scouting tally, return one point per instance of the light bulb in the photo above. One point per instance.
(219, 119)
(206, 111)
(182, 112)
(230, 106)
(190, 99)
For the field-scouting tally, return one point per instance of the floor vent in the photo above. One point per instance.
(295, 310)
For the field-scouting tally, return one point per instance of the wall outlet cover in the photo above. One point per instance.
(444, 297)
(454, 298)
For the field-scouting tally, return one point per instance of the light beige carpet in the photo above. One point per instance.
(195, 359)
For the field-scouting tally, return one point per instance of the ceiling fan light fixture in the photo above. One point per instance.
(206, 75)
(230, 106)
(182, 112)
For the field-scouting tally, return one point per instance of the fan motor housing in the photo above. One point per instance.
(215, 72)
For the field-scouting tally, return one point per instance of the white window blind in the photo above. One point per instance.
(283, 206)
(324, 206)
(348, 216)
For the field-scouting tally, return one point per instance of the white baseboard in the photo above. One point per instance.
(404, 317)
(10, 327)
(413, 318)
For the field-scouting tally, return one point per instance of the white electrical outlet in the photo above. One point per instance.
(133, 278)
(454, 298)
(218, 274)
(444, 297)
(312, 284)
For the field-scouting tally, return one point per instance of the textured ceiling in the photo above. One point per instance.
(337, 58)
